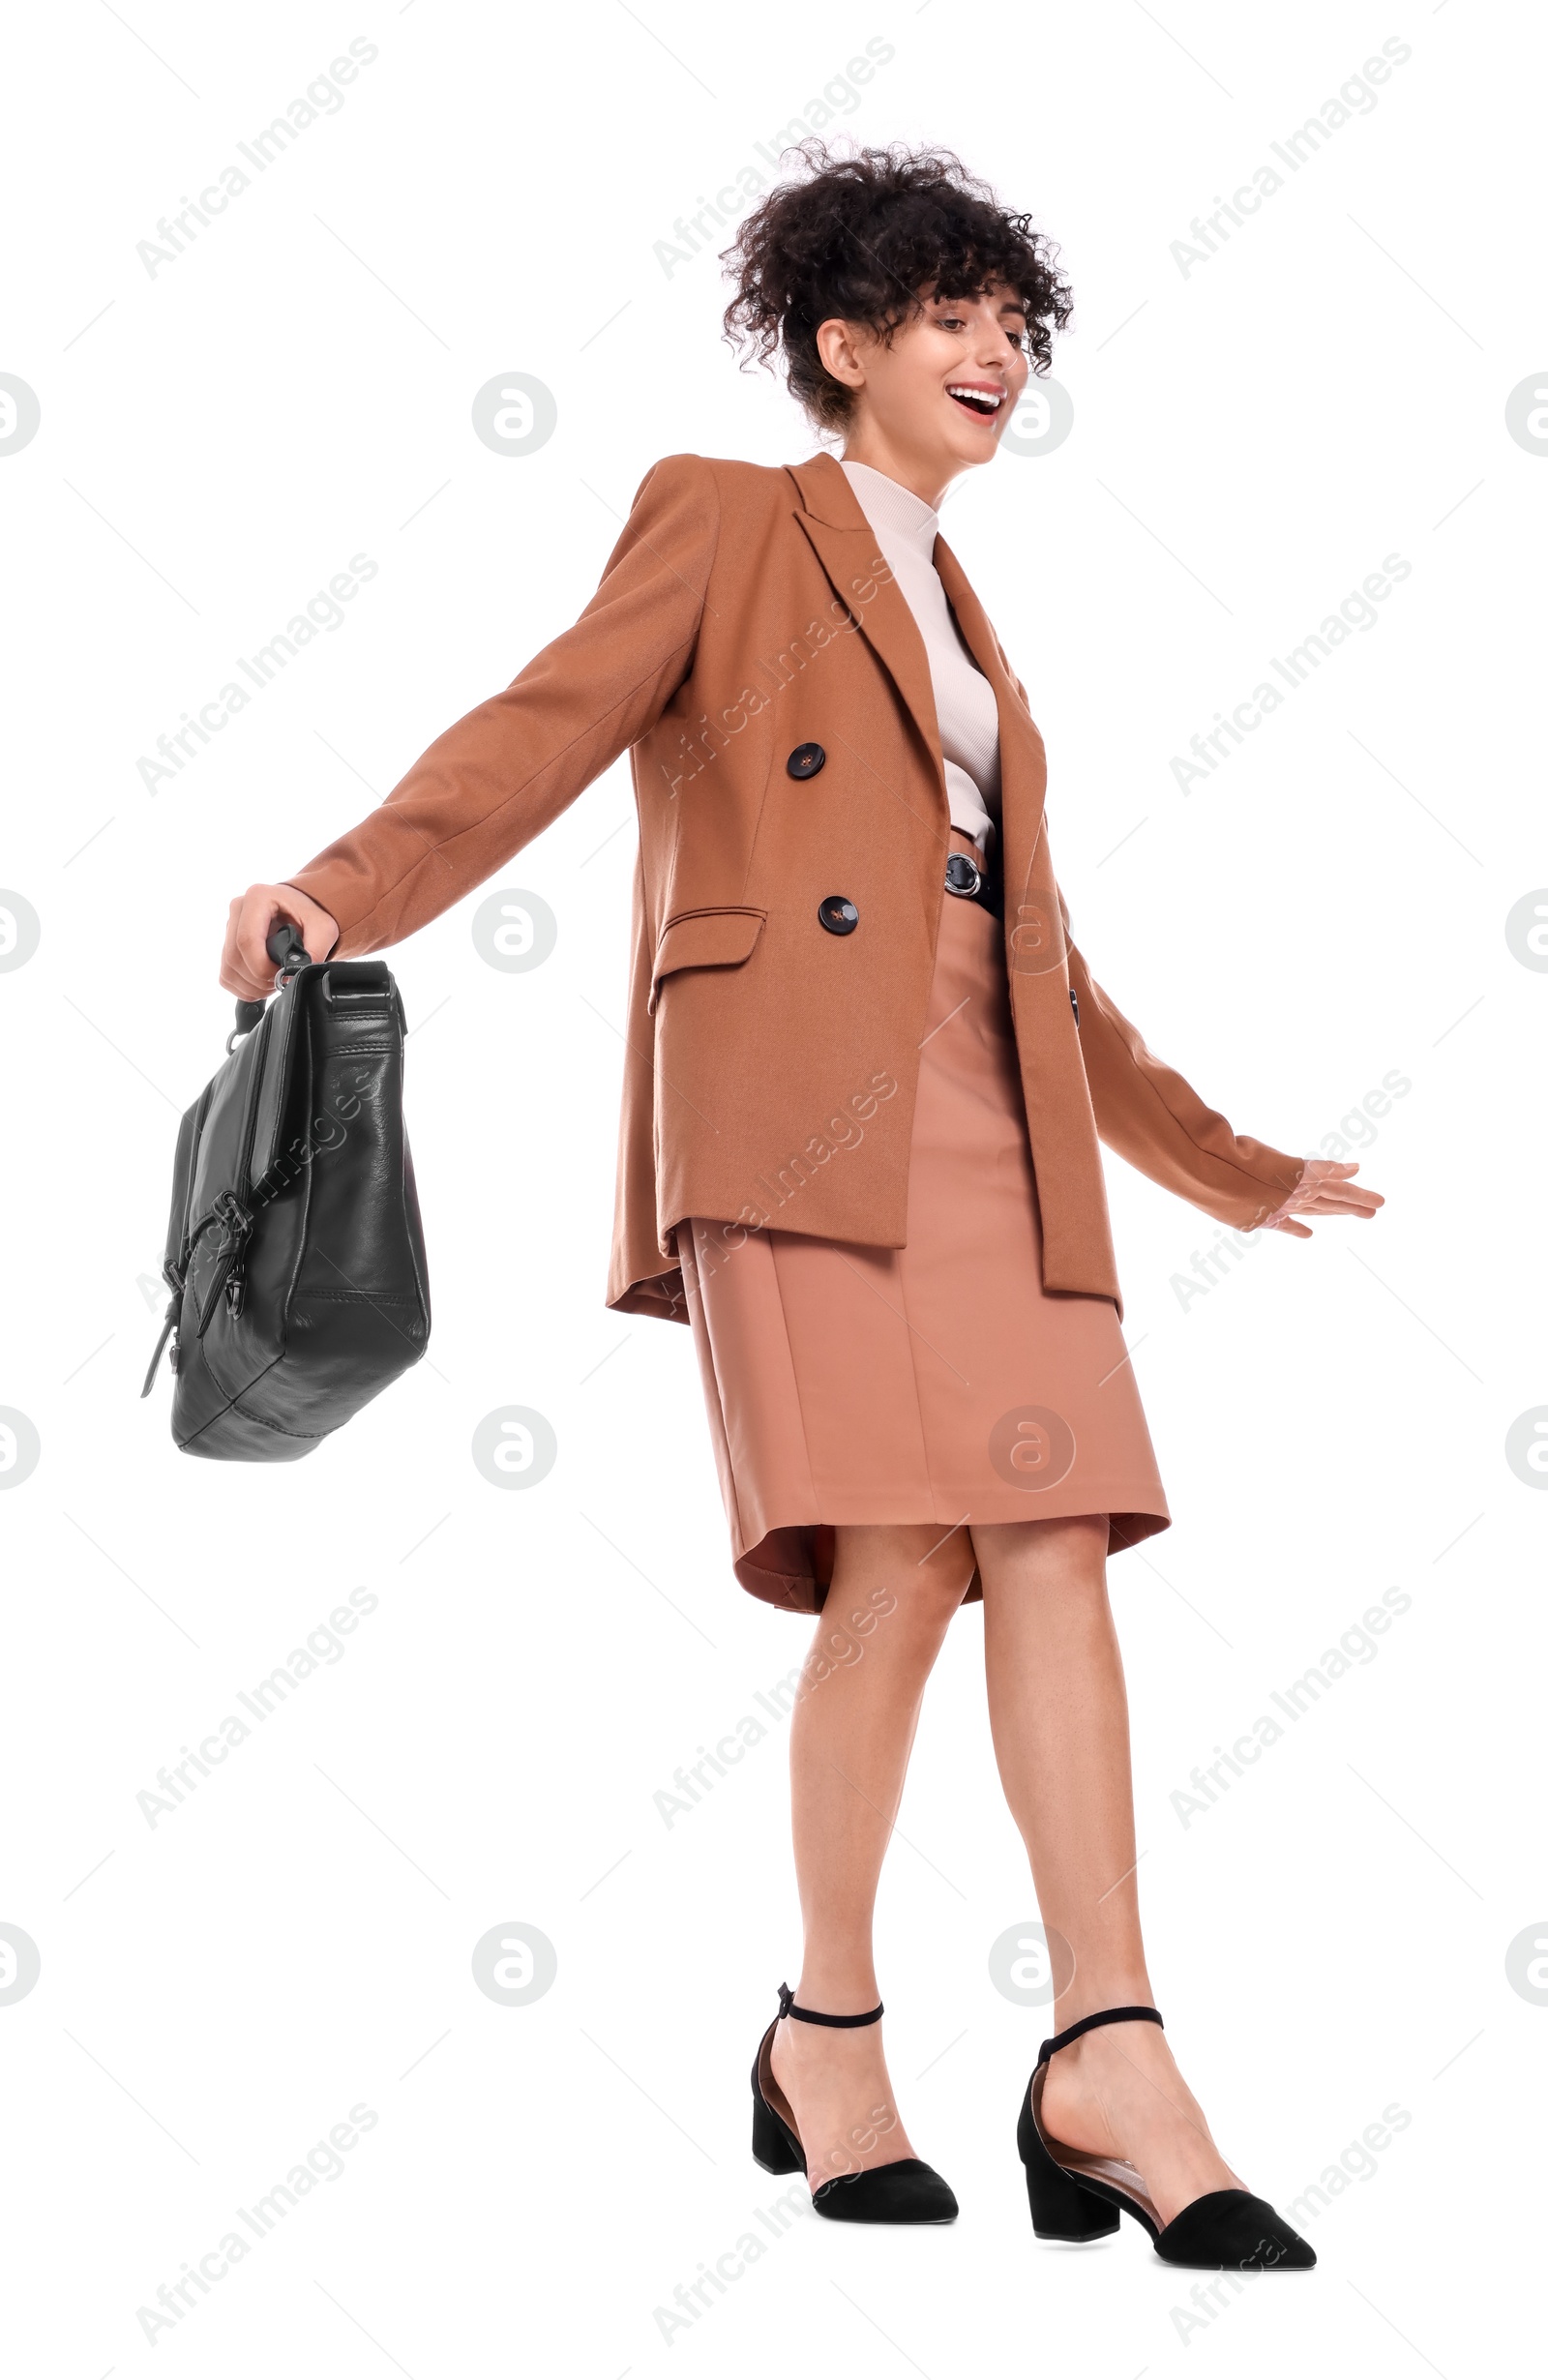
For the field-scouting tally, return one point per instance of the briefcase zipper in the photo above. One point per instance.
(236, 1224)
(249, 1117)
(231, 1217)
(233, 1214)
(228, 1212)
(169, 1331)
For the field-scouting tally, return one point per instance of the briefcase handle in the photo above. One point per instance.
(289, 952)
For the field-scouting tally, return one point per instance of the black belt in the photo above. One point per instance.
(972, 879)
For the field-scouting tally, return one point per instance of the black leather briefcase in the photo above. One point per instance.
(294, 1251)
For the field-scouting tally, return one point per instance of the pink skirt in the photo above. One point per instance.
(937, 1383)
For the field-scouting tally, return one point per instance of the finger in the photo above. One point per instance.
(238, 977)
(1287, 1223)
(228, 956)
(260, 906)
(1339, 1201)
(1333, 1197)
(236, 970)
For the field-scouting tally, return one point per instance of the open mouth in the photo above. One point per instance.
(983, 404)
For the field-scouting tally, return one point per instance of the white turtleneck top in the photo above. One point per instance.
(965, 710)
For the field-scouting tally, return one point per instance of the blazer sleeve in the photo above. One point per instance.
(1151, 1116)
(503, 773)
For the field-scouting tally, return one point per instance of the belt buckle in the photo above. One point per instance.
(963, 876)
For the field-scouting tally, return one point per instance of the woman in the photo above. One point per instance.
(867, 1073)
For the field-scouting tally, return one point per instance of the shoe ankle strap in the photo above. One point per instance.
(1089, 2024)
(812, 2016)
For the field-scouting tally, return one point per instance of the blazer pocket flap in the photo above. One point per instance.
(705, 937)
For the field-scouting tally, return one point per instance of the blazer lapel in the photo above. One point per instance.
(847, 547)
(1022, 759)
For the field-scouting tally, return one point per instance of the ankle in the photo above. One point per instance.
(837, 1990)
(1089, 1996)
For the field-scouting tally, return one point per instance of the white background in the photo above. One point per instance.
(1251, 438)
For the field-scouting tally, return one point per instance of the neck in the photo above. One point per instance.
(928, 477)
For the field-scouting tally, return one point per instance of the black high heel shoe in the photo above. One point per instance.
(1075, 2196)
(905, 2192)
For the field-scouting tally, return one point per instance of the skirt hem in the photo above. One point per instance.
(791, 1565)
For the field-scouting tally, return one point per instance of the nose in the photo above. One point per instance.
(994, 350)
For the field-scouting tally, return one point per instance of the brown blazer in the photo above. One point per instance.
(772, 1063)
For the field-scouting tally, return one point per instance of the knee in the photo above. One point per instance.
(909, 1574)
(1066, 1557)
(910, 1579)
(942, 1571)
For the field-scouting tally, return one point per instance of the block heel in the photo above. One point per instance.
(772, 2140)
(1062, 2210)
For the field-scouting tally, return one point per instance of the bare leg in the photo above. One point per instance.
(1059, 1719)
(851, 1736)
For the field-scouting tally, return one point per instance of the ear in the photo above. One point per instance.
(838, 353)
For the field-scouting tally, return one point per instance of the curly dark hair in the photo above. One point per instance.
(863, 237)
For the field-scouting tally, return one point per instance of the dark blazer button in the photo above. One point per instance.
(837, 914)
(805, 761)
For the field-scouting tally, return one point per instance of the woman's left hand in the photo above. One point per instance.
(1323, 1189)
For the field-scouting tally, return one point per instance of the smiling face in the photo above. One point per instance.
(933, 400)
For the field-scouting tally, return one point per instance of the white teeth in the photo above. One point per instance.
(978, 397)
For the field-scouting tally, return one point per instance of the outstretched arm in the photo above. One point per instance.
(1148, 1112)
(503, 773)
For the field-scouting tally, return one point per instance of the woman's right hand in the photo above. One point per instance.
(1325, 1188)
(246, 967)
